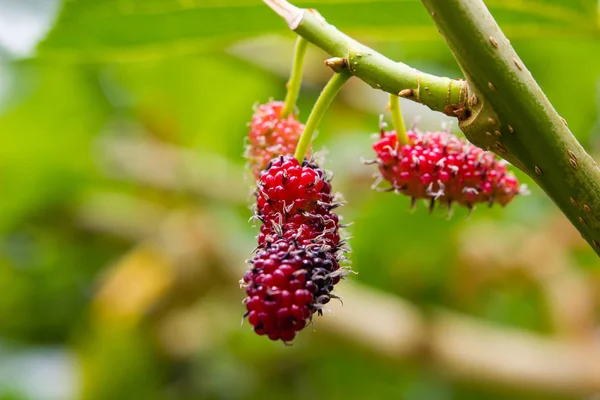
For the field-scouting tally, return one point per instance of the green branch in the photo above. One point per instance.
(514, 118)
(440, 94)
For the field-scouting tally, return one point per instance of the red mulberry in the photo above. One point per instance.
(319, 227)
(440, 166)
(286, 284)
(271, 135)
(287, 188)
(294, 201)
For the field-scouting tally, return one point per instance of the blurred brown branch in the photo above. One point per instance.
(544, 257)
(384, 324)
(168, 167)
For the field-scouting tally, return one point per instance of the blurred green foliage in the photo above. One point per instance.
(168, 69)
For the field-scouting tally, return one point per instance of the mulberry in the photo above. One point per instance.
(286, 284)
(271, 135)
(297, 263)
(440, 166)
(288, 188)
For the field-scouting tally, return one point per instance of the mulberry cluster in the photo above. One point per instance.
(271, 135)
(297, 262)
(440, 167)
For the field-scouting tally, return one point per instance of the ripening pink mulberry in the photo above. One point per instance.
(271, 135)
(440, 166)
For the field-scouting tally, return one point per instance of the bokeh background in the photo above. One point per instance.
(124, 207)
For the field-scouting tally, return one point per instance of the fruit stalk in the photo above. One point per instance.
(397, 120)
(293, 85)
(321, 105)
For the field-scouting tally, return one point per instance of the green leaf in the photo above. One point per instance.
(89, 30)
(46, 139)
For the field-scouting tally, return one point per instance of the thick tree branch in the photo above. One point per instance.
(526, 129)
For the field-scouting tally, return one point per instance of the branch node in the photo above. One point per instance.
(406, 93)
(457, 110)
(337, 64)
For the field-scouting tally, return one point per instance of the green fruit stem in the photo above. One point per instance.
(293, 85)
(397, 120)
(321, 105)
